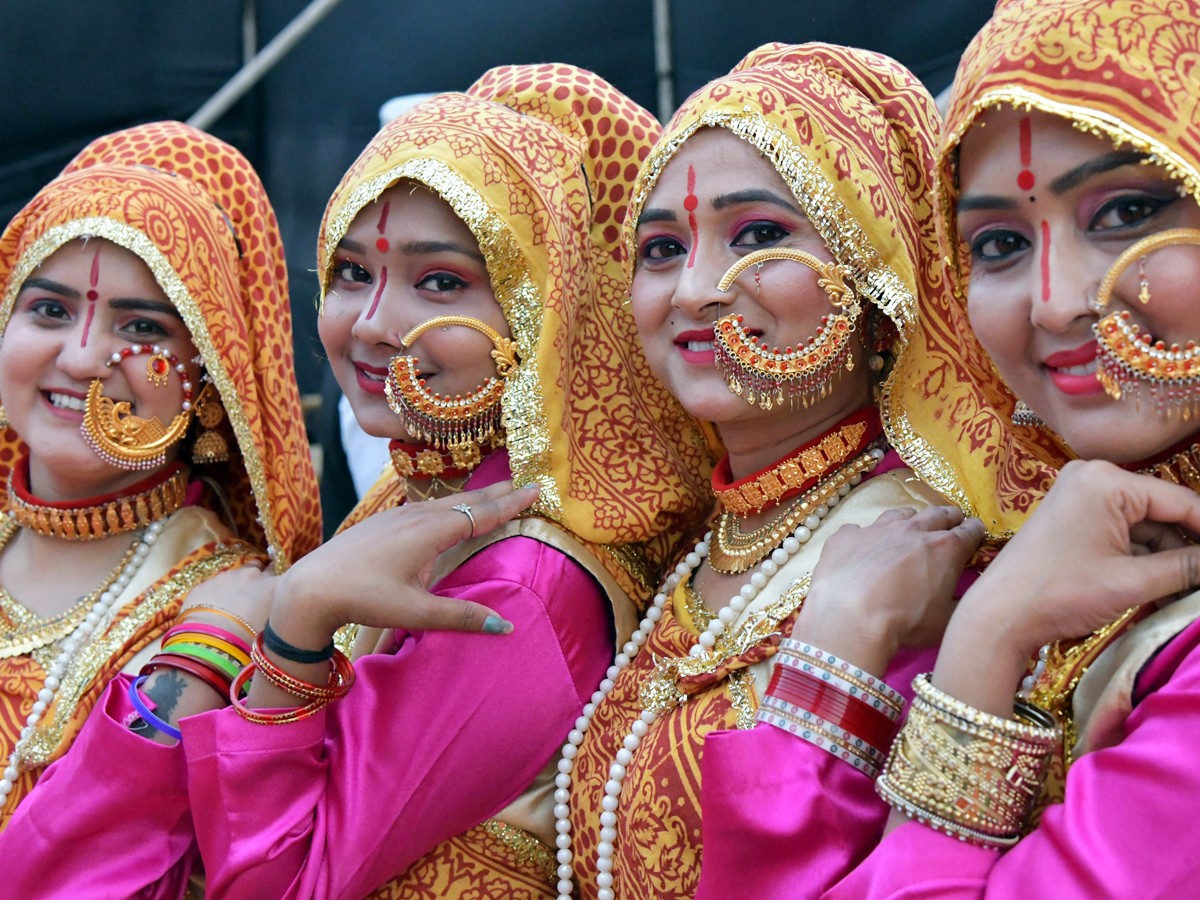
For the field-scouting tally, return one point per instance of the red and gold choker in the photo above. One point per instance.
(1179, 464)
(437, 468)
(147, 501)
(800, 469)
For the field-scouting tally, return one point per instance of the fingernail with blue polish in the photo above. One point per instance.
(497, 625)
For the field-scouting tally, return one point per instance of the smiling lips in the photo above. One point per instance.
(697, 347)
(1074, 371)
(370, 378)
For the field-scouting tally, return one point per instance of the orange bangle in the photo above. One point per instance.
(217, 611)
(283, 717)
(197, 637)
(341, 675)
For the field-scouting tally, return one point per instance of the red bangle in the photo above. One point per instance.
(832, 704)
(341, 675)
(282, 717)
(192, 667)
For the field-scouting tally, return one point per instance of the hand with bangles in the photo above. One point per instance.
(311, 602)
(1102, 541)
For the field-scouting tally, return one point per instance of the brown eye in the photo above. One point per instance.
(997, 245)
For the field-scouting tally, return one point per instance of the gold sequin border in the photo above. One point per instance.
(527, 433)
(136, 242)
(525, 847)
(39, 749)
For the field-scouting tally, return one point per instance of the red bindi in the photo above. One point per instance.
(93, 295)
(382, 243)
(1026, 179)
(1045, 261)
(690, 202)
(378, 293)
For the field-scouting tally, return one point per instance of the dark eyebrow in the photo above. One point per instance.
(984, 201)
(751, 196)
(1105, 163)
(655, 215)
(54, 287)
(137, 303)
(415, 248)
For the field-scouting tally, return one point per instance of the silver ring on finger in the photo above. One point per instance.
(465, 509)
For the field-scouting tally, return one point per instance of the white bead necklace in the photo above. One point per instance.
(722, 620)
(98, 617)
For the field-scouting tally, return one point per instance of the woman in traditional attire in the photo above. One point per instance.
(139, 276)
(1069, 179)
(473, 309)
(811, 157)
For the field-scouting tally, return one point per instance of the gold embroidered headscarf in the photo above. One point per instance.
(1121, 69)
(192, 208)
(852, 134)
(537, 161)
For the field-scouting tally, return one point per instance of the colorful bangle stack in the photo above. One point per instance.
(832, 704)
(341, 679)
(211, 654)
(973, 775)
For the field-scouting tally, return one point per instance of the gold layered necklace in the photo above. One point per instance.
(734, 552)
(28, 632)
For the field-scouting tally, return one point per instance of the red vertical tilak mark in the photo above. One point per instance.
(382, 243)
(92, 295)
(1026, 180)
(690, 202)
(1045, 261)
(378, 292)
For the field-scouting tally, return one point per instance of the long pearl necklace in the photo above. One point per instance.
(99, 616)
(641, 726)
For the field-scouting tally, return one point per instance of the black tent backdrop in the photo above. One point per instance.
(75, 71)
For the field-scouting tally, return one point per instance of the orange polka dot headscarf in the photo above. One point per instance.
(538, 162)
(194, 210)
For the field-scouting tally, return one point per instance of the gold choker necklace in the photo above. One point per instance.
(148, 501)
(733, 552)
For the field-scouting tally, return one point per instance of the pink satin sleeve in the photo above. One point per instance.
(108, 819)
(783, 818)
(1127, 828)
(431, 740)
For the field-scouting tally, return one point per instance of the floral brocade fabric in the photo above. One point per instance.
(658, 847)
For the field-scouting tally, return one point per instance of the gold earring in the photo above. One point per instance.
(1024, 415)
(210, 445)
(118, 436)
(764, 376)
(450, 423)
(1130, 361)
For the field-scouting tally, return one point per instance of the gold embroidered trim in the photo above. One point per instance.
(525, 847)
(660, 690)
(30, 632)
(108, 639)
(172, 285)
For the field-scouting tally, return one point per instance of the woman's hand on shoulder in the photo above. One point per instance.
(376, 573)
(1102, 541)
(887, 585)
